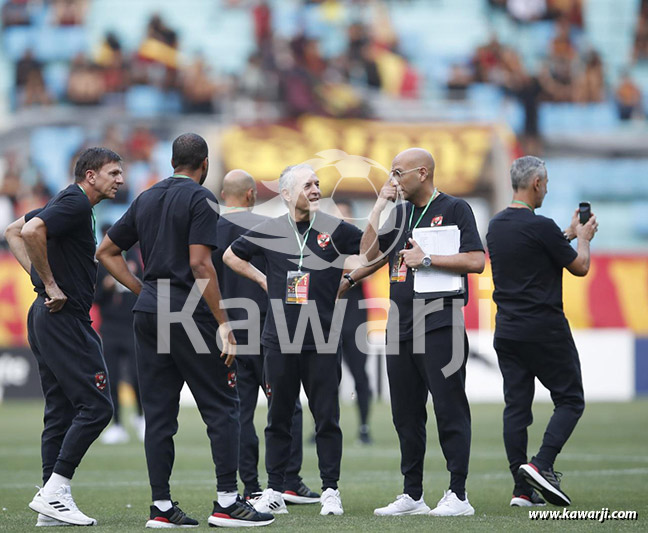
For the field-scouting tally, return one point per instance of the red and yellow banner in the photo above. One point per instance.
(613, 295)
(353, 155)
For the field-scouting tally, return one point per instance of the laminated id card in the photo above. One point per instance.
(398, 270)
(297, 284)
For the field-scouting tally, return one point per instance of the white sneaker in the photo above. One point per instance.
(139, 425)
(46, 521)
(60, 506)
(331, 502)
(270, 501)
(450, 505)
(403, 505)
(115, 434)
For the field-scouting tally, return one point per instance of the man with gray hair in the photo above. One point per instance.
(532, 337)
(239, 192)
(304, 252)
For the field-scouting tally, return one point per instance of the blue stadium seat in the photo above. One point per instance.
(52, 149)
(56, 78)
(144, 101)
(17, 40)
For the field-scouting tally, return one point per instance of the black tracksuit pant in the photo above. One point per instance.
(557, 366)
(320, 375)
(356, 360)
(250, 378)
(119, 352)
(213, 385)
(75, 386)
(411, 377)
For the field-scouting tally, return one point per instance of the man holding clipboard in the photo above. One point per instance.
(424, 361)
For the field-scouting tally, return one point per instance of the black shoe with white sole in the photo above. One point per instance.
(547, 482)
(239, 514)
(174, 517)
(300, 494)
(527, 500)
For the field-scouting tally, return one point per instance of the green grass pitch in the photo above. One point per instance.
(605, 465)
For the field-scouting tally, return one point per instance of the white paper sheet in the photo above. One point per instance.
(439, 240)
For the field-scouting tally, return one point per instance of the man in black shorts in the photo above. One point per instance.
(56, 246)
(304, 253)
(177, 321)
(239, 193)
(432, 346)
(532, 337)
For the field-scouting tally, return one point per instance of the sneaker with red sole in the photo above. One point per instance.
(174, 517)
(239, 514)
(547, 482)
(300, 494)
(525, 500)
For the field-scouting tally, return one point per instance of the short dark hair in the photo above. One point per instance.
(93, 159)
(189, 150)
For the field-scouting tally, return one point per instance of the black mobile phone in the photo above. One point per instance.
(584, 212)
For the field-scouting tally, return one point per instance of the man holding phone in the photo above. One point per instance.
(532, 337)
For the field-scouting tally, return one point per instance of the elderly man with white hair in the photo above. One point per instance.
(304, 252)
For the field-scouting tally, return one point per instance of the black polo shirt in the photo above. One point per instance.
(528, 253)
(329, 242)
(71, 249)
(166, 219)
(445, 210)
(229, 228)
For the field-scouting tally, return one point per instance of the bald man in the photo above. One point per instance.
(239, 194)
(425, 360)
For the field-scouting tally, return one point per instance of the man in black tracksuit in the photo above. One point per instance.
(304, 252)
(532, 336)
(56, 246)
(115, 303)
(177, 322)
(239, 194)
(413, 373)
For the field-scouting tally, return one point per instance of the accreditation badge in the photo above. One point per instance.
(297, 284)
(398, 270)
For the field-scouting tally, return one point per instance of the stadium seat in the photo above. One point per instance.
(144, 101)
(52, 149)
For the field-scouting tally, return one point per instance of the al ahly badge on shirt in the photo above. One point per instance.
(323, 239)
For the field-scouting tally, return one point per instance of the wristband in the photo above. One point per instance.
(351, 281)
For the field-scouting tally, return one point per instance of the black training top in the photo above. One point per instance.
(230, 227)
(166, 219)
(528, 253)
(329, 242)
(70, 249)
(445, 210)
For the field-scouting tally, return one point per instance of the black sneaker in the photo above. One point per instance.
(239, 514)
(521, 499)
(300, 494)
(547, 482)
(174, 517)
(364, 436)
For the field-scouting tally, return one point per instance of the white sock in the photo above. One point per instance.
(225, 499)
(163, 505)
(54, 483)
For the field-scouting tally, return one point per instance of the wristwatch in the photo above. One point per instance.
(426, 261)
(351, 281)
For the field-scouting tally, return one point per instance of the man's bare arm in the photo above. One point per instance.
(110, 256)
(17, 245)
(34, 236)
(245, 268)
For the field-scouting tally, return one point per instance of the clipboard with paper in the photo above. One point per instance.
(434, 282)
